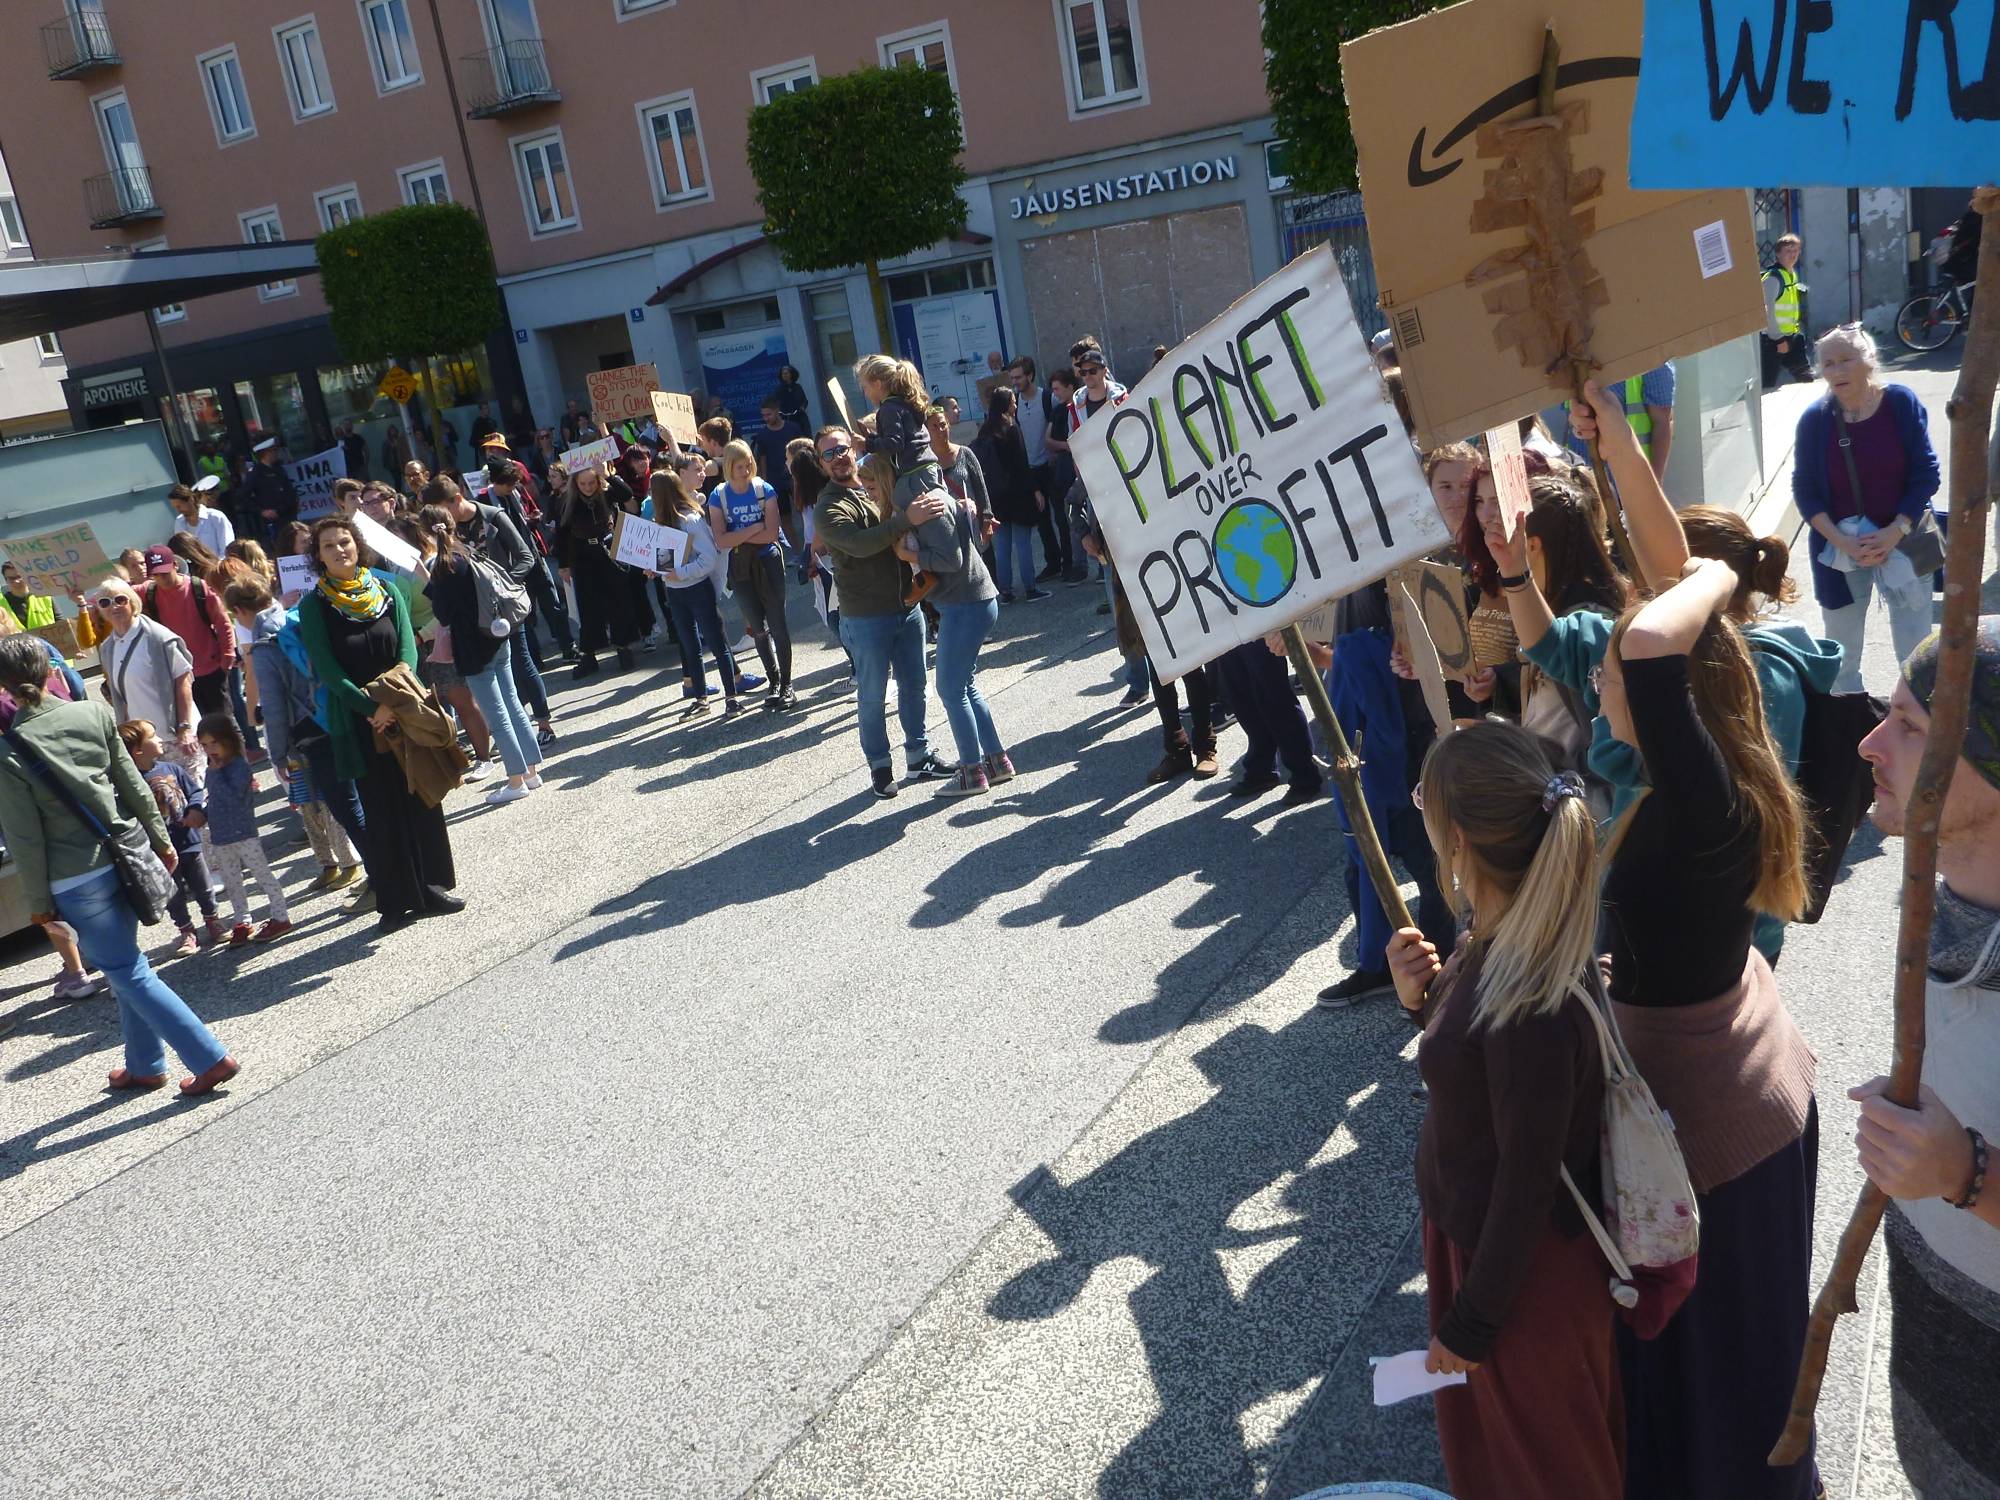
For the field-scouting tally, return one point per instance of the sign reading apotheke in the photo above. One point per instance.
(1168, 179)
(114, 389)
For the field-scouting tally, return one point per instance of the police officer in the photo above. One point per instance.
(268, 495)
(1783, 340)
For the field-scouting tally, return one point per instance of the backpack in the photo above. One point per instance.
(1650, 1230)
(501, 599)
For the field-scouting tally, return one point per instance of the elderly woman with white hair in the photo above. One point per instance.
(1863, 473)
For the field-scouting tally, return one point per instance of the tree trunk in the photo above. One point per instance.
(884, 331)
(437, 422)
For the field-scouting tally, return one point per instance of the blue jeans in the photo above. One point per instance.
(1013, 546)
(522, 650)
(500, 705)
(698, 623)
(880, 644)
(152, 1016)
(962, 629)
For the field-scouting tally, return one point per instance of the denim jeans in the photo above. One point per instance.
(523, 648)
(507, 721)
(879, 645)
(962, 630)
(152, 1016)
(698, 623)
(1014, 546)
(340, 797)
(1909, 622)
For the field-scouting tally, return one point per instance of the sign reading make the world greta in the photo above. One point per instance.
(1257, 471)
(1736, 93)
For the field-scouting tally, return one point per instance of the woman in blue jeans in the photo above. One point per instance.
(968, 607)
(1018, 505)
(66, 876)
(677, 501)
(482, 659)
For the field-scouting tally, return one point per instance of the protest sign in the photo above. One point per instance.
(1481, 335)
(60, 562)
(295, 575)
(1437, 599)
(474, 482)
(312, 478)
(395, 554)
(624, 394)
(1510, 476)
(605, 450)
(839, 399)
(646, 544)
(1890, 91)
(61, 634)
(675, 415)
(1255, 472)
(1419, 649)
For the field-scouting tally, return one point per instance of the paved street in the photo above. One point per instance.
(747, 1136)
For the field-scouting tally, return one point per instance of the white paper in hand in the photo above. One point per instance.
(395, 554)
(1398, 1377)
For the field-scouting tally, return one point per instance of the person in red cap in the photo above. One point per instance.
(193, 611)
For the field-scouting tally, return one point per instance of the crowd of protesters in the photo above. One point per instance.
(1637, 737)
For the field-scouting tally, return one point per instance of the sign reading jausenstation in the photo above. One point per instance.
(1858, 91)
(1173, 178)
(1256, 472)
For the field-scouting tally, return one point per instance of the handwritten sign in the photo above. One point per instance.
(395, 554)
(313, 479)
(60, 562)
(589, 455)
(641, 543)
(674, 413)
(624, 394)
(295, 575)
(1510, 476)
(1419, 649)
(1850, 94)
(1257, 471)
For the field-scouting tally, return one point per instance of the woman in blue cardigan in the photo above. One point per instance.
(1883, 430)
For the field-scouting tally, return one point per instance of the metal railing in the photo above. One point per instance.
(78, 42)
(121, 197)
(514, 75)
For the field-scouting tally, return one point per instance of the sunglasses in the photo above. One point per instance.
(838, 450)
(112, 603)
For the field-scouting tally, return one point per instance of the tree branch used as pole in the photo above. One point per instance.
(1971, 411)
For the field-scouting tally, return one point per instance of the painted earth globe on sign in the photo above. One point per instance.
(1255, 552)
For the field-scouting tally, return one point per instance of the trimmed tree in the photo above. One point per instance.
(415, 280)
(1303, 78)
(859, 169)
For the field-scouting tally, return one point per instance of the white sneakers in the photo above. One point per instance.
(506, 792)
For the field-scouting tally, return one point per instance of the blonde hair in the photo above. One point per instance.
(1491, 784)
(900, 379)
(878, 478)
(735, 452)
(1722, 679)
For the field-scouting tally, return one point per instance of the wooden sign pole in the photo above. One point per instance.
(1971, 412)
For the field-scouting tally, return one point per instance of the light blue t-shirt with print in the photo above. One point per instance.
(742, 509)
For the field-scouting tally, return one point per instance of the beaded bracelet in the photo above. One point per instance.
(1978, 1171)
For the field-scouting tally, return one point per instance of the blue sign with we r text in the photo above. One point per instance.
(1854, 93)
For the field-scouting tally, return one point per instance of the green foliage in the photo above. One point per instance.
(862, 167)
(412, 281)
(1303, 78)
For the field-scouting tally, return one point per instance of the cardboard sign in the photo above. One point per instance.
(1420, 650)
(646, 544)
(1257, 471)
(60, 562)
(1657, 274)
(1437, 598)
(295, 575)
(475, 483)
(588, 455)
(839, 398)
(675, 415)
(62, 635)
(624, 394)
(1851, 94)
(313, 479)
(1510, 476)
(395, 554)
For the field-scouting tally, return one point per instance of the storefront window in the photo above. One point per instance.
(833, 337)
(462, 381)
(202, 412)
(275, 405)
(350, 394)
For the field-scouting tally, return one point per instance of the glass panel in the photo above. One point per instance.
(225, 86)
(559, 194)
(934, 56)
(275, 405)
(1118, 42)
(710, 320)
(10, 224)
(690, 150)
(950, 279)
(666, 147)
(513, 20)
(202, 411)
(308, 73)
(908, 287)
(1089, 59)
(538, 187)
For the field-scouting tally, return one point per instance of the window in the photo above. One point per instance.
(639, 7)
(673, 150)
(545, 185)
(173, 312)
(228, 104)
(1101, 52)
(47, 347)
(338, 206)
(262, 228)
(12, 235)
(425, 183)
(787, 78)
(305, 68)
(392, 46)
(927, 47)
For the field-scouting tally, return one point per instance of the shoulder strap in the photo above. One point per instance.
(41, 771)
(1845, 442)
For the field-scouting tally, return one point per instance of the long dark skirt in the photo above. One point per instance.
(1708, 1397)
(604, 599)
(404, 843)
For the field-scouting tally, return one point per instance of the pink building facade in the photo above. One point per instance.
(1122, 182)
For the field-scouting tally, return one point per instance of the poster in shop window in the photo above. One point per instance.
(1258, 471)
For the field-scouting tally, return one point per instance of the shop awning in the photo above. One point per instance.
(47, 296)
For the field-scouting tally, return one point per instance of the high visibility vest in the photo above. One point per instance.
(1636, 415)
(213, 463)
(1786, 310)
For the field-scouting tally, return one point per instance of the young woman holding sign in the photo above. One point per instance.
(583, 552)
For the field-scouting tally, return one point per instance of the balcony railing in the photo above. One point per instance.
(512, 76)
(78, 43)
(121, 197)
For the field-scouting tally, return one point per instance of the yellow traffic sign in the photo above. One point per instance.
(398, 384)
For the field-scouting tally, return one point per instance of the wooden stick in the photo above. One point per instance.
(1971, 411)
(1347, 778)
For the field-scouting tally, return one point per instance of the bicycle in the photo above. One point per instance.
(1933, 319)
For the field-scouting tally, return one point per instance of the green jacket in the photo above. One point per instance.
(345, 696)
(859, 543)
(78, 743)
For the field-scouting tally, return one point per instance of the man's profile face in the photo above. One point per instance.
(1893, 750)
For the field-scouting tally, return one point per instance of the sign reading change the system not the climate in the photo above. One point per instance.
(1257, 471)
